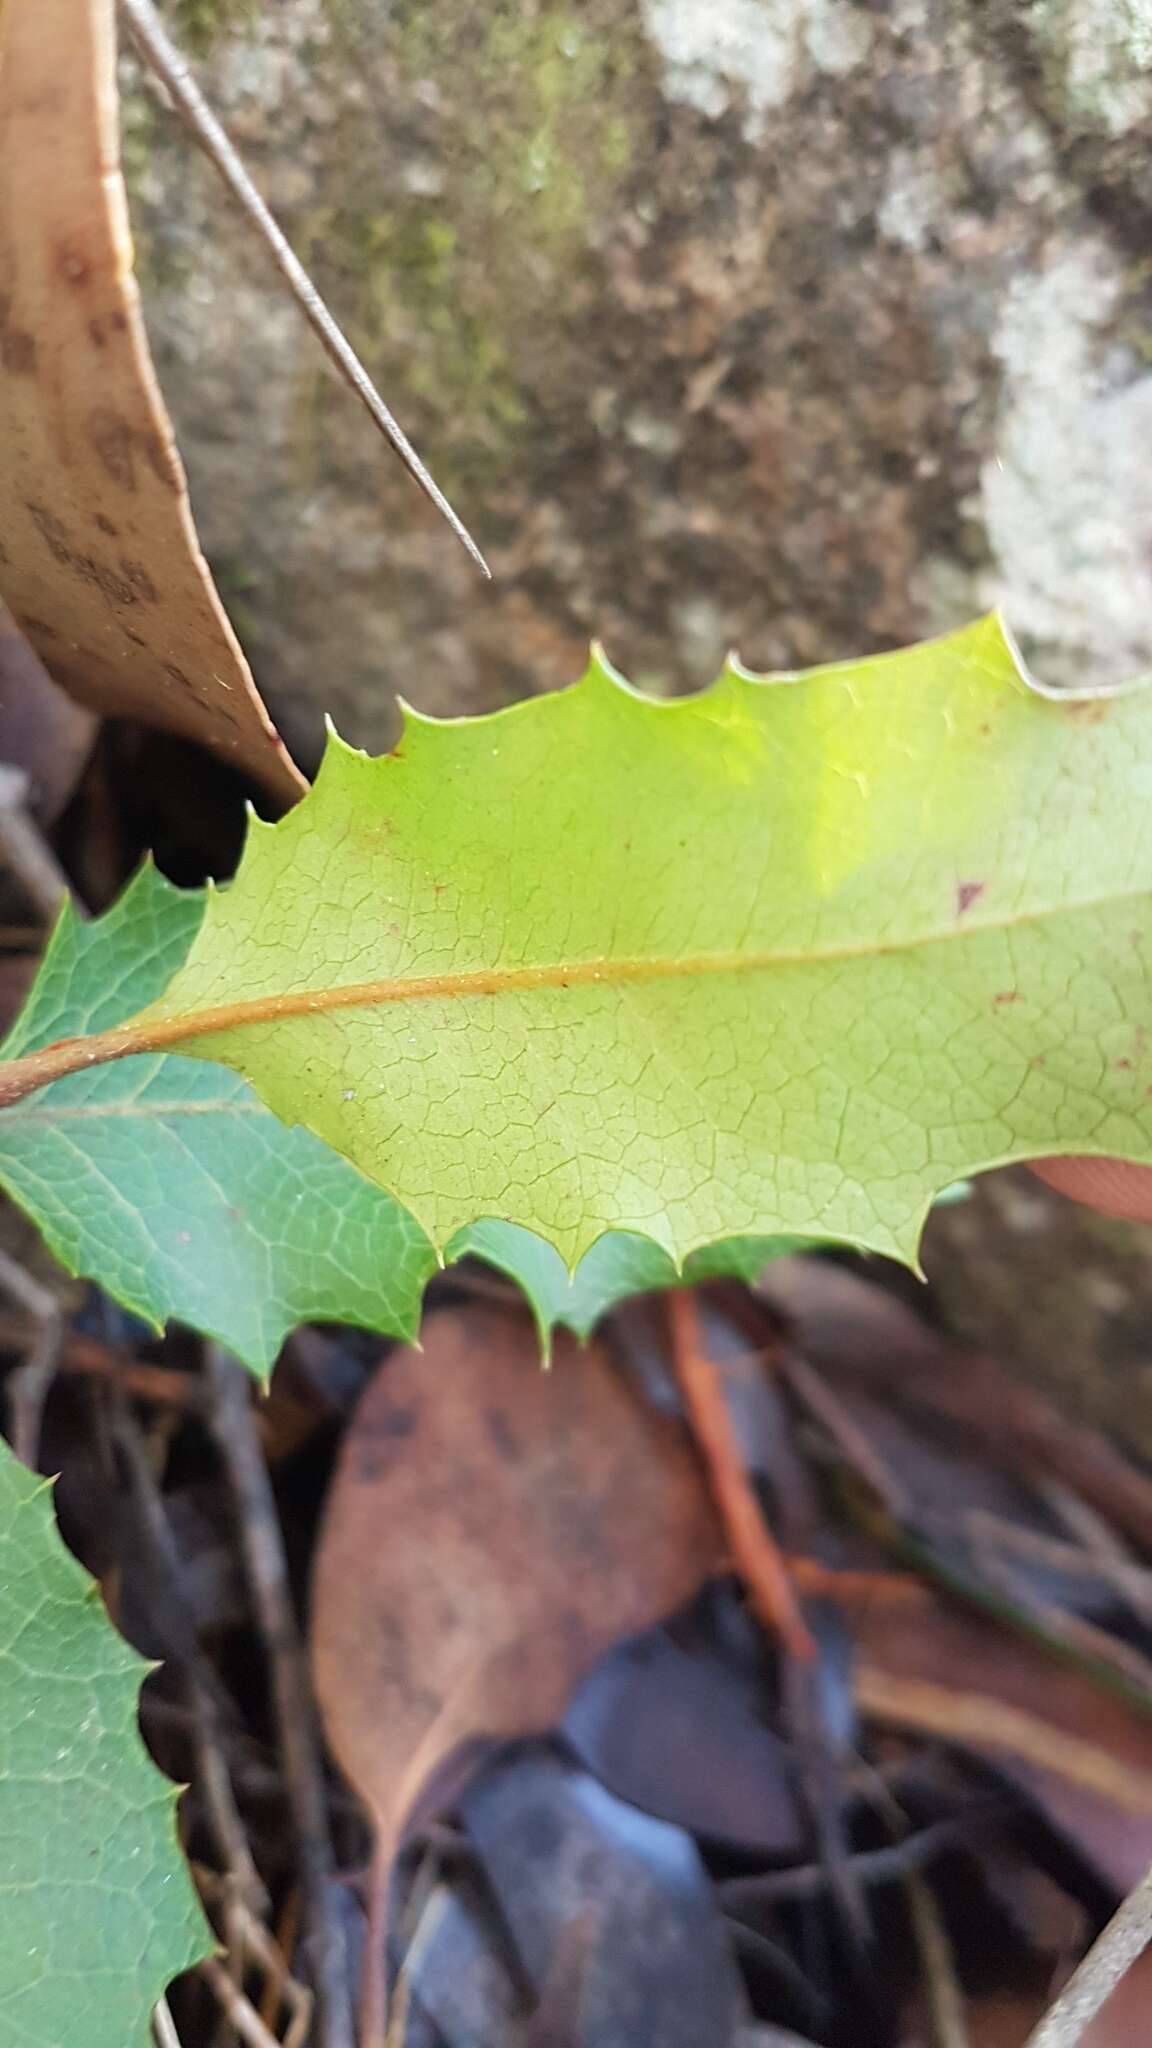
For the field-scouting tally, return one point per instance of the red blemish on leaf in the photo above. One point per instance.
(1006, 995)
(968, 893)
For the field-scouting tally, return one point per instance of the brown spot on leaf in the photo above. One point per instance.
(17, 346)
(112, 437)
(52, 531)
(1006, 995)
(119, 587)
(73, 265)
(140, 580)
(1089, 710)
(968, 893)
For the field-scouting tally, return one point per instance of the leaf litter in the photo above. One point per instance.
(612, 1806)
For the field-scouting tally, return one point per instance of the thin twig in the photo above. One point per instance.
(164, 1386)
(855, 1588)
(820, 1399)
(890, 1865)
(28, 1384)
(200, 1679)
(322, 1939)
(164, 2026)
(240, 2011)
(1126, 1936)
(282, 1987)
(25, 851)
(938, 1964)
(754, 1551)
(161, 54)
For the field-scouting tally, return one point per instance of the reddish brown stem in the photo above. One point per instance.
(755, 1554)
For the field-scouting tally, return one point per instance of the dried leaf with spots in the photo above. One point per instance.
(99, 559)
(492, 1529)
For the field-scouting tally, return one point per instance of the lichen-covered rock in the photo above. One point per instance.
(801, 325)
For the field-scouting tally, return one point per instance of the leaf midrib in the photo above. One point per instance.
(150, 1033)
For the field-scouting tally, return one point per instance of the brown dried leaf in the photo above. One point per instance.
(99, 558)
(491, 1530)
(1084, 1753)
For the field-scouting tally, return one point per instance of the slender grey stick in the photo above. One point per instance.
(28, 1385)
(24, 849)
(161, 54)
(202, 1686)
(164, 2027)
(1126, 1936)
(322, 1942)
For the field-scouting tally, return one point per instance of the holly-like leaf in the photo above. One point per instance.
(97, 1911)
(169, 1182)
(788, 956)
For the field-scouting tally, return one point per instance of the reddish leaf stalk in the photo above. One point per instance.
(755, 1554)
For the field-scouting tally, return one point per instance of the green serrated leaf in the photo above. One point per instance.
(618, 1266)
(169, 1182)
(788, 956)
(97, 1910)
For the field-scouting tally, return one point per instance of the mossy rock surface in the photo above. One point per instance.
(802, 326)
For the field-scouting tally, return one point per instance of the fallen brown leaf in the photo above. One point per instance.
(1083, 1753)
(99, 558)
(492, 1529)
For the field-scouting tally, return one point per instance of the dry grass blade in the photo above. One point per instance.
(101, 565)
(322, 1941)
